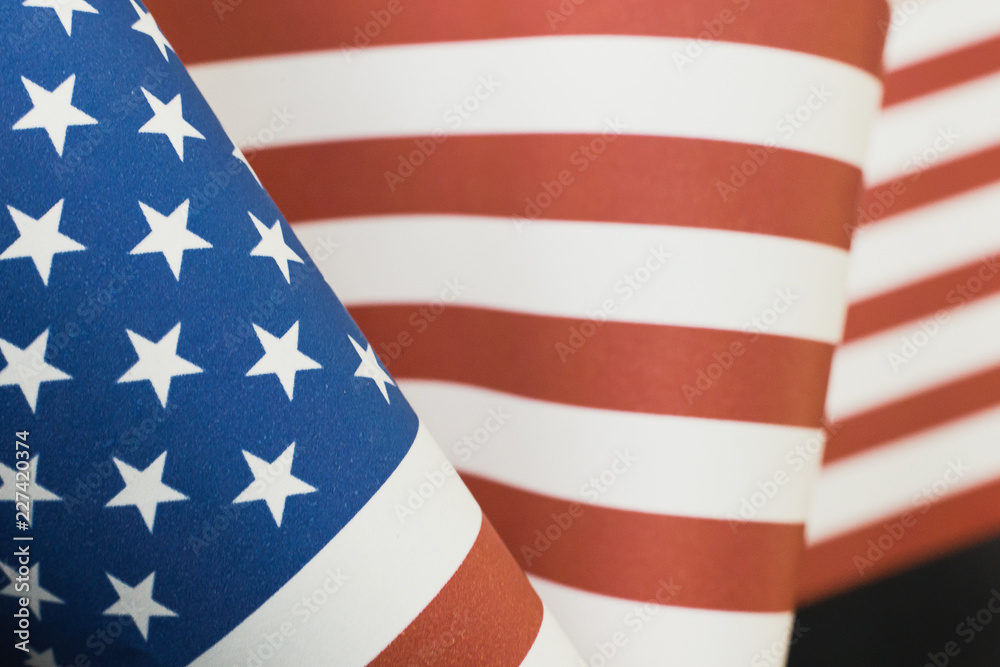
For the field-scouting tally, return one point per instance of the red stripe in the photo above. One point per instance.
(933, 75)
(206, 31)
(925, 298)
(488, 608)
(679, 561)
(636, 179)
(830, 568)
(937, 183)
(910, 415)
(620, 366)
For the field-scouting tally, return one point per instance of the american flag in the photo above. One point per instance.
(904, 522)
(602, 246)
(914, 383)
(211, 465)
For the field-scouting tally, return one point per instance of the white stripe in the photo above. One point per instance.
(927, 28)
(552, 647)
(913, 135)
(680, 466)
(736, 92)
(653, 634)
(906, 475)
(912, 358)
(923, 242)
(576, 269)
(393, 569)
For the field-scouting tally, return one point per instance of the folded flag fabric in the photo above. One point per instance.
(603, 247)
(914, 388)
(906, 515)
(207, 462)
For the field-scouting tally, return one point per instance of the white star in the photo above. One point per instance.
(158, 362)
(169, 234)
(64, 10)
(238, 154)
(36, 594)
(370, 368)
(272, 244)
(52, 111)
(36, 491)
(282, 357)
(273, 482)
(147, 26)
(137, 602)
(168, 120)
(36, 659)
(40, 239)
(27, 367)
(145, 489)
